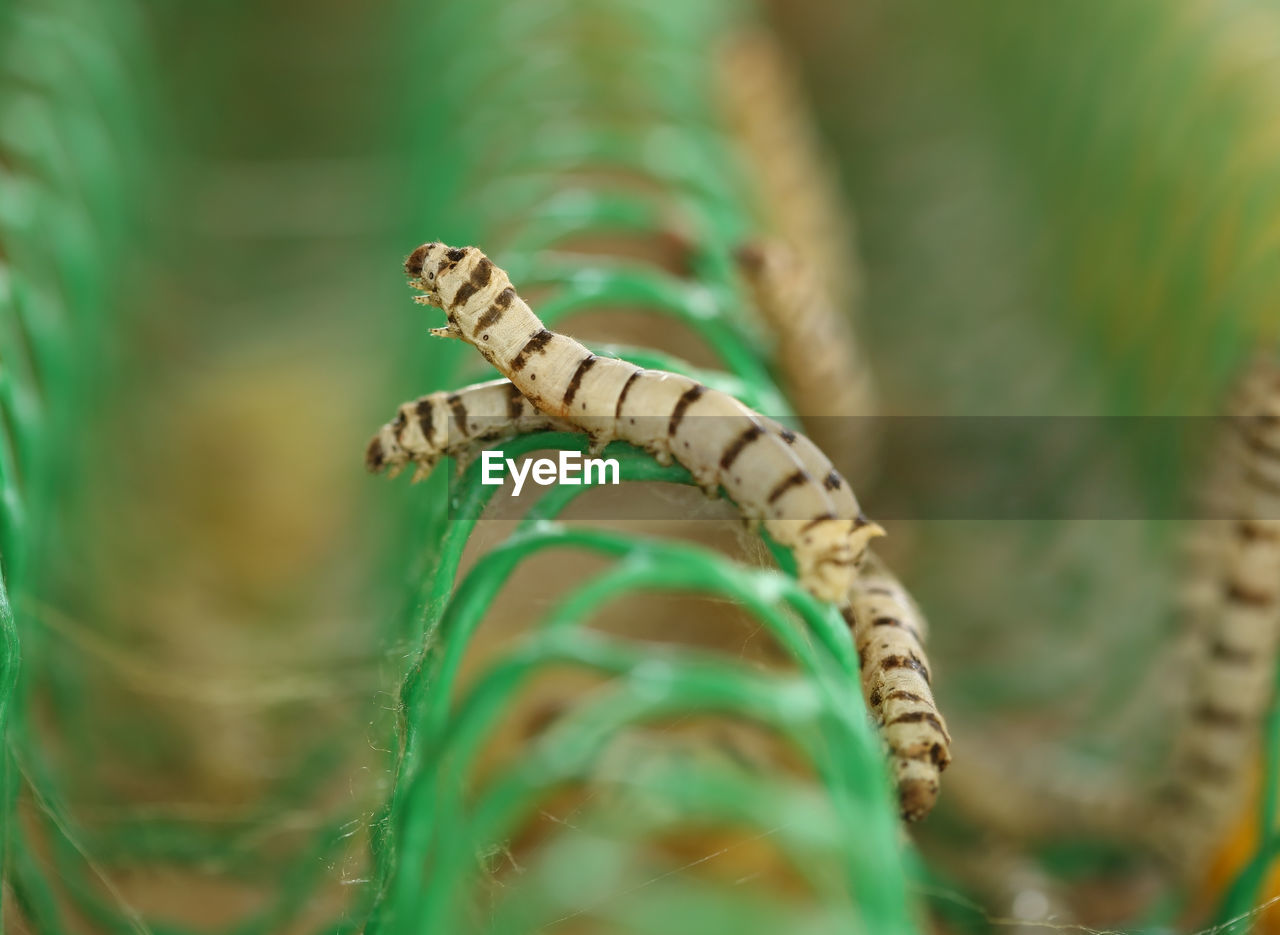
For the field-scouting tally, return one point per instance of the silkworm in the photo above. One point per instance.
(450, 424)
(720, 441)
(798, 192)
(1238, 632)
(803, 277)
(889, 631)
(888, 628)
(817, 353)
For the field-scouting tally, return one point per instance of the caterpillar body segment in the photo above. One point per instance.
(655, 410)
(889, 632)
(817, 352)
(805, 278)
(1237, 627)
(450, 424)
(767, 112)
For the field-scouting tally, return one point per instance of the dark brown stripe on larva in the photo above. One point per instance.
(1207, 768)
(465, 291)
(1236, 593)
(905, 662)
(916, 717)
(735, 447)
(1261, 446)
(483, 272)
(897, 624)
(687, 399)
(788, 436)
(901, 694)
(576, 380)
(456, 254)
(504, 298)
(1256, 478)
(1223, 652)
(1219, 717)
(1248, 428)
(491, 315)
(426, 416)
(374, 457)
(832, 481)
(791, 480)
(1251, 531)
(818, 521)
(534, 345)
(626, 388)
(459, 410)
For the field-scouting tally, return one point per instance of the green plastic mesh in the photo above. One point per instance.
(71, 154)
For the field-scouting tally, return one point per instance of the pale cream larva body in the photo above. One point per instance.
(888, 628)
(1237, 626)
(825, 374)
(889, 631)
(450, 424)
(717, 439)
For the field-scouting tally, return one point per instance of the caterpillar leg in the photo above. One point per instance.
(661, 454)
(463, 457)
(598, 441)
(448, 331)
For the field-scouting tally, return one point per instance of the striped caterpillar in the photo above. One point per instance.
(726, 445)
(888, 629)
(800, 198)
(1237, 619)
(889, 632)
(817, 352)
(450, 424)
(804, 278)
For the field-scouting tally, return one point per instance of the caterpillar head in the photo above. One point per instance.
(460, 280)
(385, 452)
(425, 265)
(401, 441)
